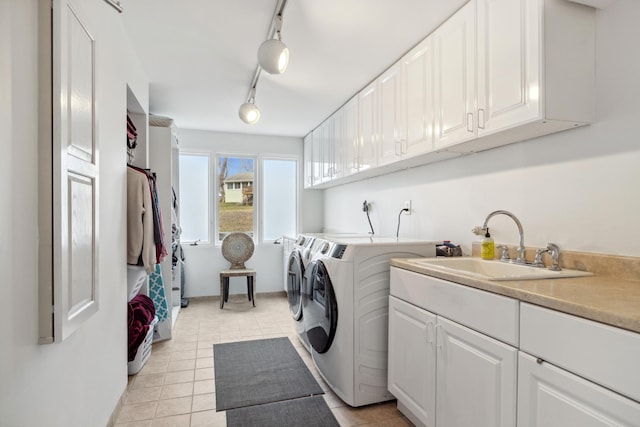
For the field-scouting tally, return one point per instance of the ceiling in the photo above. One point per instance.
(200, 56)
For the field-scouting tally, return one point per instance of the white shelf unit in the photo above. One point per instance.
(163, 160)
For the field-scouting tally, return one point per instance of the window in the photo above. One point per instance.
(279, 192)
(257, 196)
(235, 202)
(194, 204)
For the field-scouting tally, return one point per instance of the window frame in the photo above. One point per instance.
(258, 183)
(297, 191)
(207, 154)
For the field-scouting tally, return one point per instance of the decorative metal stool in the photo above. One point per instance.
(237, 248)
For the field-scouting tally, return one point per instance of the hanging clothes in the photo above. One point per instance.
(140, 223)
(158, 229)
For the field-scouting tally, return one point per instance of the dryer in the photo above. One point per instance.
(294, 273)
(345, 300)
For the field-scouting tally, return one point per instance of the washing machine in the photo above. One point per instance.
(298, 259)
(345, 301)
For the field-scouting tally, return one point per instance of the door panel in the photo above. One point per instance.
(74, 194)
(476, 378)
(412, 361)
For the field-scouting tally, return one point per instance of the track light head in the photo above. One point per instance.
(249, 111)
(273, 56)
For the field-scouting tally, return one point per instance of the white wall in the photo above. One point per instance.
(203, 262)
(579, 189)
(77, 382)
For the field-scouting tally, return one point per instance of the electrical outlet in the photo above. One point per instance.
(407, 205)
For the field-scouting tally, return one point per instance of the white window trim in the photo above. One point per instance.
(210, 177)
(298, 160)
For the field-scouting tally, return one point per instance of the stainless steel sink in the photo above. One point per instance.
(495, 270)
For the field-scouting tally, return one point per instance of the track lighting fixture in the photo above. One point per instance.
(273, 54)
(273, 57)
(249, 111)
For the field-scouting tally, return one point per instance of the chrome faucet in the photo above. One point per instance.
(520, 250)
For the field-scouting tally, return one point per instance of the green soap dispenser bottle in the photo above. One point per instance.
(488, 247)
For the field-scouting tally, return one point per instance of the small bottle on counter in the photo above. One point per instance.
(488, 247)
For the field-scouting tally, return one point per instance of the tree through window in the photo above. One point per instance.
(235, 195)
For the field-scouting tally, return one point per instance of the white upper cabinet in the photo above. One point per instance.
(308, 161)
(336, 145)
(455, 89)
(535, 70)
(418, 99)
(316, 157)
(508, 63)
(349, 139)
(496, 72)
(368, 120)
(324, 133)
(391, 118)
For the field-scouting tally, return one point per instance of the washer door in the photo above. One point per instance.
(320, 307)
(295, 272)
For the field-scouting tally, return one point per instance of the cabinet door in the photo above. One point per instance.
(455, 88)
(308, 161)
(368, 118)
(391, 136)
(418, 99)
(508, 63)
(349, 138)
(476, 378)
(324, 136)
(316, 157)
(551, 397)
(336, 145)
(412, 362)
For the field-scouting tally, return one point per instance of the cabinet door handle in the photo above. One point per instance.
(481, 118)
(398, 145)
(430, 333)
(470, 122)
(439, 338)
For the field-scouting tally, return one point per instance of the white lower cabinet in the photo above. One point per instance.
(552, 397)
(445, 374)
(412, 360)
(511, 364)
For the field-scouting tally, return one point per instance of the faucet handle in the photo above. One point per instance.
(537, 261)
(505, 253)
(554, 251)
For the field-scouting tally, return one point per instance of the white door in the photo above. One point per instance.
(455, 74)
(552, 397)
(412, 362)
(349, 138)
(476, 378)
(75, 171)
(418, 99)
(368, 119)
(508, 63)
(390, 104)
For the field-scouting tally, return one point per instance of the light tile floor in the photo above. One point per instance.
(176, 386)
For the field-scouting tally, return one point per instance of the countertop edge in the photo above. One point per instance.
(544, 293)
